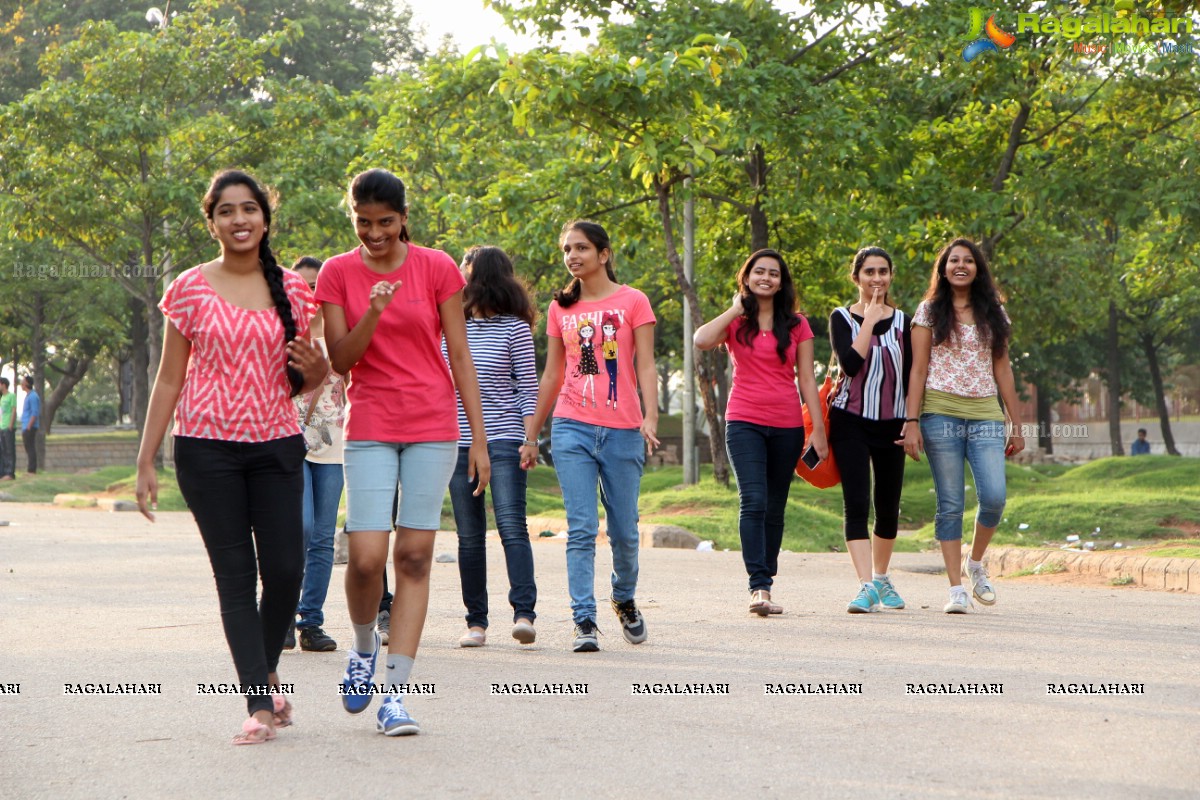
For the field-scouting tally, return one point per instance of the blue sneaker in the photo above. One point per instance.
(393, 719)
(887, 594)
(356, 683)
(866, 601)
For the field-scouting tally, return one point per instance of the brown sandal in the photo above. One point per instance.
(760, 603)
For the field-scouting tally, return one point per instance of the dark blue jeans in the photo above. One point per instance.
(470, 515)
(763, 461)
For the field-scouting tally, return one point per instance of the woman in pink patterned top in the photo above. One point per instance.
(960, 340)
(234, 353)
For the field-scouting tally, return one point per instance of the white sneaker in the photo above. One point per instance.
(981, 587)
(959, 602)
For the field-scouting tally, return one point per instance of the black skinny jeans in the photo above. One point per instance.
(859, 444)
(247, 497)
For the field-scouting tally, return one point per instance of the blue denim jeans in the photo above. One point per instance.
(587, 456)
(763, 460)
(470, 516)
(322, 495)
(950, 443)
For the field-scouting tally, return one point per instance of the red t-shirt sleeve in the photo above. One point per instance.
(447, 278)
(331, 283)
(803, 331)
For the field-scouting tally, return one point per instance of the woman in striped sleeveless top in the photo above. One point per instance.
(872, 342)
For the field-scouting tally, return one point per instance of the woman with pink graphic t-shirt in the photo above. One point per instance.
(234, 352)
(595, 446)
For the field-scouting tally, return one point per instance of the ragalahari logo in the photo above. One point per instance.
(985, 37)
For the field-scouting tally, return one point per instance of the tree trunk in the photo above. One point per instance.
(68, 379)
(705, 361)
(756, 170)
(1113, 348)
(1160, 395)
(140, 355)
(1044, 421)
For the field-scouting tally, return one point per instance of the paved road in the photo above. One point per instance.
(89, 596)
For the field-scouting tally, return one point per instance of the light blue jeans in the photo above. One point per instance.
(950, 443)
(587, 456)
(322, 495)
(374, 469)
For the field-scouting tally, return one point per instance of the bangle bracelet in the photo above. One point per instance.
(914, 419)
(529, 443)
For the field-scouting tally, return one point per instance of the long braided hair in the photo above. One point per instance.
(270, 267)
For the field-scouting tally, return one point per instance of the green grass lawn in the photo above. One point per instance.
(1144, 500)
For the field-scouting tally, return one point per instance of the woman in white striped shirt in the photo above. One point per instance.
(500, 318)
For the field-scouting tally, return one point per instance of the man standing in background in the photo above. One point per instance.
(31, 416)
(8, 432)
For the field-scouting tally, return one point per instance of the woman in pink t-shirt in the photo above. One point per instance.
(594, 444)
(771, 348)
(387, 305)
(234, 352)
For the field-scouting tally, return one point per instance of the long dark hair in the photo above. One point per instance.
(380, 186)
(991, 324)
(595, 233)
(493, 286)
(266, 259)
(784, 316)
(865, 253)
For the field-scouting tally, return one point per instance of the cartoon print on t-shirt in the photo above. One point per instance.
(587, 367)
(608, 328)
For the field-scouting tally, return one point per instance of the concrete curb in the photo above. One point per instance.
(1166, 574)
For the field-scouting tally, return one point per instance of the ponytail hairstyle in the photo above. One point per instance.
(784, 316)
(595, 234)
(991, 324)
(266, 259)
(380, 186)
(493, 286)
(865, 253)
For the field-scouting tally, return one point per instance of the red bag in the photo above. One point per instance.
(826, 474)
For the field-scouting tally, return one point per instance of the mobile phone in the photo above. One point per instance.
(1008, 451)
(810, 457)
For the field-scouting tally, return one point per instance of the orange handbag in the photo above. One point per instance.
(826, 474)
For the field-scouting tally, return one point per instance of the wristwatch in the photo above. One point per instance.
(529, 443)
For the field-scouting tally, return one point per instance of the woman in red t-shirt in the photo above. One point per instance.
(387, 305)
(771, 348)
(234, 352)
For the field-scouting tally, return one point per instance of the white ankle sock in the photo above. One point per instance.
(364, 637)
(879, 577)
(399, 668)
(973, 564)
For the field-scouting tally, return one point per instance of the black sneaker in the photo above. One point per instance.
(586, 637)
(316, 640)
(289, 641)
(632, 624)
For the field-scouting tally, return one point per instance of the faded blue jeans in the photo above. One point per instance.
(587, 456)
(950, 444)
(507, 488)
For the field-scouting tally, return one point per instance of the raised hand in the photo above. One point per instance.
(381, 294)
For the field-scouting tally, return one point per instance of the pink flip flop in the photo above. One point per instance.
(253, 732)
